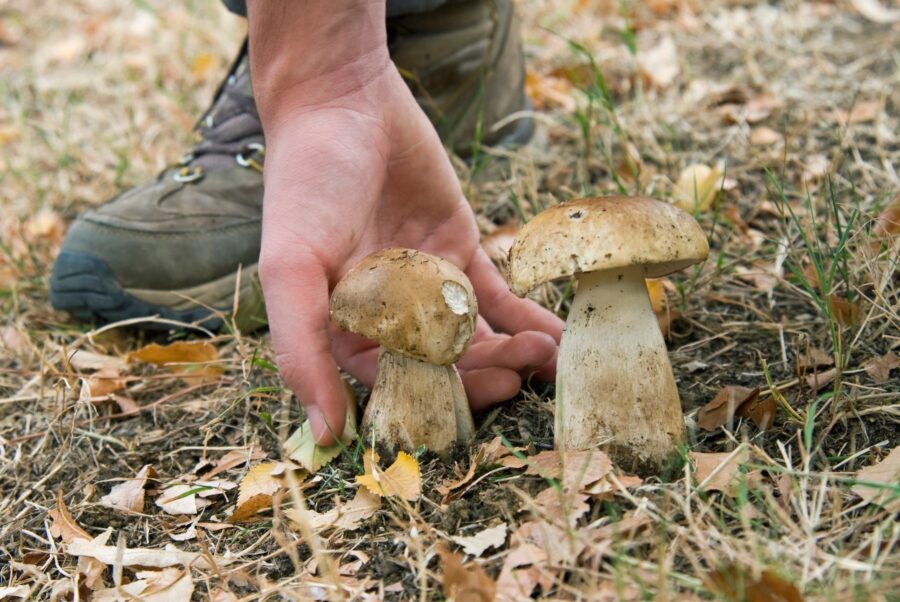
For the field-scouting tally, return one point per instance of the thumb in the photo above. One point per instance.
(296, 293)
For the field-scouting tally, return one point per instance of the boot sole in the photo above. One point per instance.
(85, 286)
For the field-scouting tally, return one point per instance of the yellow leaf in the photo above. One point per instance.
(266, 478)
(187, 358)
(301, 445)
(403, 479)
(247, 511)
(203, 62)
(697, 187)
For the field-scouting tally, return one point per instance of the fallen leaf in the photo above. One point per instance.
(625, 529)
(659, 65)
(861, 112)
(15, 591)
(488, 454)
(763, 136)
(763, 276)
(760, 107)
(665, 315)
(143, 557)
(875, 11)
(475, 545)
(233, 459)
(88, 360)
(104, 382)
(561, 505)
(523, 570)
(247, 511)
(879, 368)
(735, 584)
(574, 469)
(733, 400)
(402, 478)
(608, 486)
(817, 380)
(465, 582)
(547, 91)
(181, 499)
(814, 358)
(189, 359)
(64, 524)
(815, 166)
(721, 471)
(301, 445)
(344, 517)
(129, 495)
(168, 585)
(847, 313)
(562, 546)
(263, 479)
(885, 473)
(887, 224)
(202, 63)
(697, 187)
(222, 595)
(186, 535)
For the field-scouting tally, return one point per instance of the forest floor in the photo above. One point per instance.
(777, 125)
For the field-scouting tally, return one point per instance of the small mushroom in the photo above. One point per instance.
(614, 384)
(421, 309)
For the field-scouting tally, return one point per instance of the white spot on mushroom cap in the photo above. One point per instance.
(456, 297)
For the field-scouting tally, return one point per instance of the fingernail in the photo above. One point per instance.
(316, 422)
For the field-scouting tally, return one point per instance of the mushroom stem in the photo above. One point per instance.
(614, 384)
(415, 403)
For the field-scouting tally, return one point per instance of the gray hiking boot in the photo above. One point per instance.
(176, 247)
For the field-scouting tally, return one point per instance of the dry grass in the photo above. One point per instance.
(100, 95)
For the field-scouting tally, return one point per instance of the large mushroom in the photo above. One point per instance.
(614, 384)
(421, 309)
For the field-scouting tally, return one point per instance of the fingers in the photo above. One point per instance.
(296, 293)
(502, 309)
(523, 352)
(489, 386)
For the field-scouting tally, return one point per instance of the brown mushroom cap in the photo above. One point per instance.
(409, 302)
(588, 235)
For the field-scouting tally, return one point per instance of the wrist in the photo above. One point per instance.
(310, 53)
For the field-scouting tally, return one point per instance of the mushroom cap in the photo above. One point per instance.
(588, 235)
(409, 302)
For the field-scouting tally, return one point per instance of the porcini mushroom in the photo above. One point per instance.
(614, 384)
(421, 309)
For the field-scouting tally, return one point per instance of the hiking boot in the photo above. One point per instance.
(181, 246)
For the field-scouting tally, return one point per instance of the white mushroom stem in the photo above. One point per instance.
(614, 384)
(415, 403)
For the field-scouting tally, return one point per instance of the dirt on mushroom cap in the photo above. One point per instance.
(586, 235)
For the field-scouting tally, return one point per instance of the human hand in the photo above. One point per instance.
(353, 166)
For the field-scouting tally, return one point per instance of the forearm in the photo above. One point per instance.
(307, 53)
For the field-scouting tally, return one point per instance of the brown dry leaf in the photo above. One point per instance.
(189, 359)
(724, 470)
(465, 582)
(562, 505)
(879, 368)
(523, 570)
(561, 546)
(143, 557)
(817, 380)
(697, 187)
(168, 585)
(861, 112)
(574, 469)
(129, 496)
(104, 382)
(887, 473)
(344, 517)
(659, 65)
(547, 91)
(248, 510)
(763, 276)
(15, 591)
(83, 360)
(847, 313)
(763, 136)
(625, 529)
(46, 225)
(876, 11)
(222, 595)
(475, 545)
(487, 454)
(887, 224)
(233, 459)
(64, 524)
(608, 486)
(497, 243)
(814, 358)
(266, 479)
(736, 584)
(734, 400)
(403, 478)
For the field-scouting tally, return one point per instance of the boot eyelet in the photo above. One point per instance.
(188, 174)
(254, 148)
